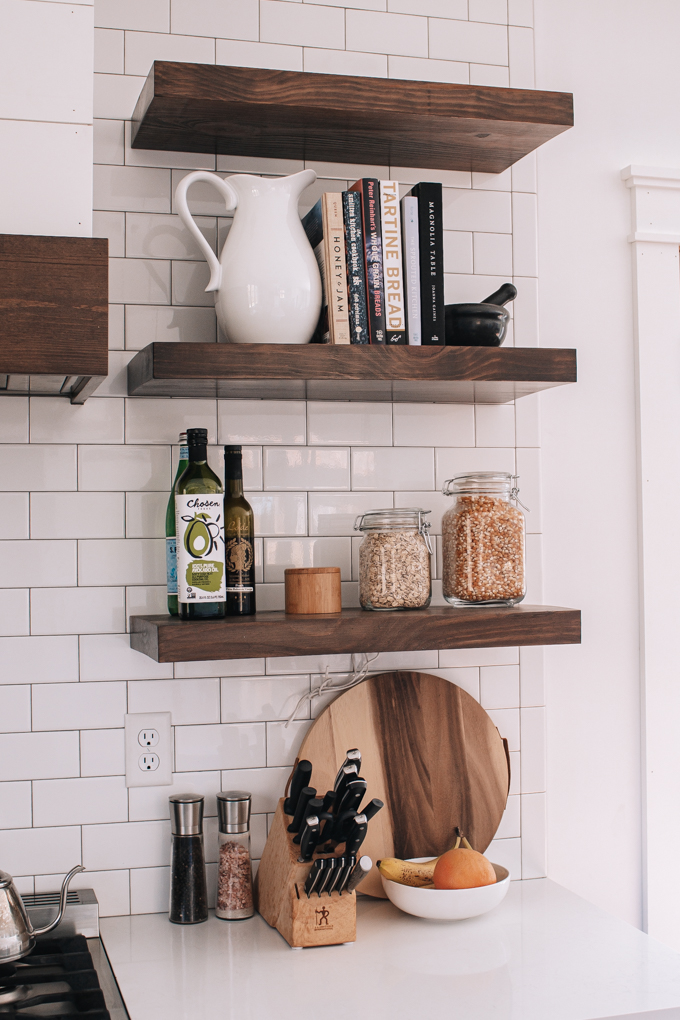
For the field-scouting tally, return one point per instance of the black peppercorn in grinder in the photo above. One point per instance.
(188, 893)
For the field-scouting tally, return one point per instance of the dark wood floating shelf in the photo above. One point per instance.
(459, 375)
(54, 294)
(387, 122)
(168, 639)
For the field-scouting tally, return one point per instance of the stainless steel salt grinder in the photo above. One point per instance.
(234, 876)
(188, 893)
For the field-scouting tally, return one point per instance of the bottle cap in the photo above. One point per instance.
(233, 810)
(197, 437)
(233, 451)
(186, 814)
(182, 436)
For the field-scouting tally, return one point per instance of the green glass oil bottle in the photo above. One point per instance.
(170, 531)
(239, 537)
(199, 511)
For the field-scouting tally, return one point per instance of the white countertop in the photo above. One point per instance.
(544, 954)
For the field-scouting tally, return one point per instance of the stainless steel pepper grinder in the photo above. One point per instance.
(188, 893)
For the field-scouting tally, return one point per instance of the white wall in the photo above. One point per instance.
(84, 489)
(620, 60)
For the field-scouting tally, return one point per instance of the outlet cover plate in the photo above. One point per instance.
(161, 722)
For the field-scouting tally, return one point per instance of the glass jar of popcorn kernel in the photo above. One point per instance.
(394, 559)
(483, 541)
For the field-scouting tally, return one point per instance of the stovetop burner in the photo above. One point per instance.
(57, 979)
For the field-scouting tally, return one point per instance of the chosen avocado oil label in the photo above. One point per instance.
(200, 547)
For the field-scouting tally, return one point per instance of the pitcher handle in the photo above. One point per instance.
(187, 219)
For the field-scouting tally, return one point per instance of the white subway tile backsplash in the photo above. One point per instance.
(116, 561)
(468, 40)
(15, 709)
(146, 600)
(262, 700)
(261, 421)
(349, 424)
(302, 24)
(42, 563)
(79, 801)
(400, 34)
(279, 513)
(14, 515)
(145, 324)
(149, 420)
(532, 722)
(431, 8)
(495, 425)
(139, 281)
(308, 664)
(157, 236)
(367, 65)
(400, 468)
(403, 660)
(38, 756)
(116, 323)
(109, 657)
(37, 468)
(521, 50)
(521, 12)
(230, 746)
(189, 282)
(77, 610)
(151, 16)
(255, 54)
(78, 706)
(14, 612)
(477, 210)
(499, 686)
(507, 721)
(270, 598)
(493, 254)
(534, 836)
(478, 656)
(507, 853)
(458, 251)
(492, 11)
(102, 752)
(265, 785)
(510, 825)
(529, 475)
(449, 463)
(435, 424)
(132, 189)
(111, 225)
(525, 312)
(77, 515)
(524, 174)
(532, 679)
(230, 19)
(112, 889)
(109, 143)
(15, 805)
(38, 660)
(14, 419)
(465, 677)
(31, 850)
(280, 553)
(283, 742)
(151, 802)
(189, 702)
(489, 74)
(305, 468)
(142, 48)
(524, 235)
(142, 468)
(335, 513)
(109, 56)
(145, 514)
(149, 890)
(126, 845)
(422, 69)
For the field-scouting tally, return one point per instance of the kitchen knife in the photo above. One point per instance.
(328, 875)
(340, 865)
(358, 873)
(302, 776)
(349, 772)
(329, 801)
(312, 877)
(310, 835)
(319, 868)
(334, 830)
(351, 861)
(356, 835)
(371, 810)
(328, 820)
(306, 794)
(352, 797)
(313, 808)
(353, 755)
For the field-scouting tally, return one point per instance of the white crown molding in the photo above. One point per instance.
(641, 235)
(655, 204)
(650, 177)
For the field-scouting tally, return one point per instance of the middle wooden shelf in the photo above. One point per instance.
(459, 375)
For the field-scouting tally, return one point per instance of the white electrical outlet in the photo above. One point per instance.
(143, 766)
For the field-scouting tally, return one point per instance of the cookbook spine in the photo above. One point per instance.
(409, 216)
(431, 234)
(335, 267)
(313, 226)
(356, 277)
(393, 270)
(369, 190)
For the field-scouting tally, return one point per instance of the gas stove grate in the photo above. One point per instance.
(57, 979)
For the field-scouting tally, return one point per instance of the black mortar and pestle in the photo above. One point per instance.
(480, 325)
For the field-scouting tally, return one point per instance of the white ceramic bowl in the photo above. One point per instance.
(448, 904)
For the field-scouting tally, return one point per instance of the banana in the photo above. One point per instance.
(406, 872)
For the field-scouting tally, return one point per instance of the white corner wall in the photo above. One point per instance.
(620, 61)
(46, 88)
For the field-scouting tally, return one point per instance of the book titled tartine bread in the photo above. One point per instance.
(393, 269)
(368, 189)
(325, 230)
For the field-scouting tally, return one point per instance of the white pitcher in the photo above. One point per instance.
(266, 282)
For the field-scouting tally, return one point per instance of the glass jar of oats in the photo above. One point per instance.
(394, 559)
(483, 541)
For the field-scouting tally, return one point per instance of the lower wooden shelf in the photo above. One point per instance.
(168, 639)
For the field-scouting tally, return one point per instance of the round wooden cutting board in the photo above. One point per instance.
(430, 752)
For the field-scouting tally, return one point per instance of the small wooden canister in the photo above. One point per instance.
(313, 591)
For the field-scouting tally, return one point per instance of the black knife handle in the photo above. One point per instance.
(351, 861)
(347, 773)
(353, 755)
(356, 835)
(312, 877)
(306, 794)
(343, 825)
(354, 794)
(327, 819)
(340, 865)
(310, 835)
(318, 870)
(302, 777)
(329, 801)
(312, 809)
(328, 876)
(372, 809)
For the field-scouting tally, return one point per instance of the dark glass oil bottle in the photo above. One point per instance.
(199, 509)
(239, 538)
(170, 533)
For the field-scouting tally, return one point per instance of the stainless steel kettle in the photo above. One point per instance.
(17, 934)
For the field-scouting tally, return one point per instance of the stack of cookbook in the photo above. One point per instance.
(381, 262)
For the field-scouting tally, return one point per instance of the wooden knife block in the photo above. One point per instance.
(282, 900)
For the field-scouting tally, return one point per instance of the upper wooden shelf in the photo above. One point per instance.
(458, 375)
(54, 294)
(336, 118)
(168, 639)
